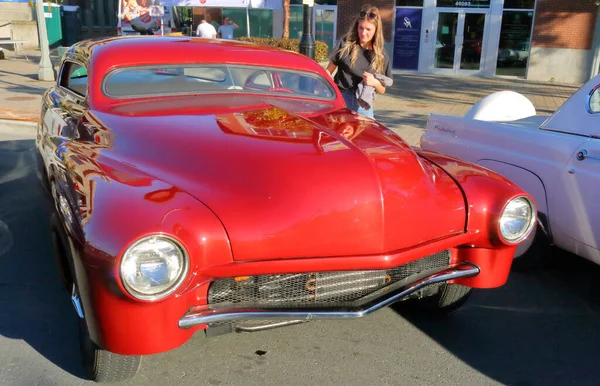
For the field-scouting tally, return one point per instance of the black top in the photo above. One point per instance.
(348, 78)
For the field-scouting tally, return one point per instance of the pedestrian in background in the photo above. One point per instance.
(226, 30)
(360, 56)
(206, 30)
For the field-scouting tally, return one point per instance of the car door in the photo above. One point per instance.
(61, 121)
(62, 124)
(581, 219)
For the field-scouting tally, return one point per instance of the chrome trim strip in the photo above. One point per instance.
(268, 326)
(571, 132)
(205, 314)
(540, 225)
(76, 302)
(588, 100)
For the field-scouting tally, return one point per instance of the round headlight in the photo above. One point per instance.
(517, 220)
(153, 267)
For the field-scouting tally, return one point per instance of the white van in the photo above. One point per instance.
(134, 19)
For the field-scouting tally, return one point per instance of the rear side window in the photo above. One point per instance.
(198, 79)
(75, 78)
(594, 107)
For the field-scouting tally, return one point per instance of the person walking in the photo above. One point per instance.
(206, 30)
(360, 57)
(225, 31)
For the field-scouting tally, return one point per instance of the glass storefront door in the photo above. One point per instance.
(324, 18)
(459, 41)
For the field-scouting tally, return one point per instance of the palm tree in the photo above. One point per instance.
(286, 18)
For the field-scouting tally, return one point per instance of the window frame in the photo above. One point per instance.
(224, 66)
(65, 70)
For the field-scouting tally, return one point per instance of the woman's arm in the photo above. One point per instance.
(370, 80)
(331, 68)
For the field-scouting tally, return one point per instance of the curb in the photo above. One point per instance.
(20, 125)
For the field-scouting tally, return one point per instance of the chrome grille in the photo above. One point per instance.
(321, 289)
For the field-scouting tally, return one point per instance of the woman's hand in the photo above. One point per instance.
(370, 80)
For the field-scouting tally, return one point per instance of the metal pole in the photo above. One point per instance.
(307, 40)
(46, 71)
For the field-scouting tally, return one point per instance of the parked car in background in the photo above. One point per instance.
(236, 192)
(554, 158)
(516, 55)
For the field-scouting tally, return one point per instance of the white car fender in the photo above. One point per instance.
(502, 106)
(523, 178)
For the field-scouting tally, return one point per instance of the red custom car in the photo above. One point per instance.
(223, 186)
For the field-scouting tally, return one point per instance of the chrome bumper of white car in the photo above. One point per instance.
(210, 314)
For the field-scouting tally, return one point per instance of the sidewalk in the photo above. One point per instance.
(404, 108)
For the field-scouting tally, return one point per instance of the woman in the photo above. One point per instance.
(360, 55)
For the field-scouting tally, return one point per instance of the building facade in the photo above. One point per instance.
(547, 40)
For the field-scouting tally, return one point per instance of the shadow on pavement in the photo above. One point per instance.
(539, 329)
(35, 307)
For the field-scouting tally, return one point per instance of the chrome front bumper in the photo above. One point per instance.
(208, 314)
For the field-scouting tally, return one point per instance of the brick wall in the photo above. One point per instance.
(564, 24)
(349, 9)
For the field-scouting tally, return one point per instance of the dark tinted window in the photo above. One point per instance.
(519, 4)
(409, 3)
(75, 78)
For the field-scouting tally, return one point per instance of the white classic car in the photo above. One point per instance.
(554, 158)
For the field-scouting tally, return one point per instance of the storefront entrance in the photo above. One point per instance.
(460, 41)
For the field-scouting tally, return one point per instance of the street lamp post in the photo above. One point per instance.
(46, 71)
(307, 41)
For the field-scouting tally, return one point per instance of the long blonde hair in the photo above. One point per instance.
(351, 40)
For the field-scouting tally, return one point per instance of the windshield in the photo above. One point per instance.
(199, 79)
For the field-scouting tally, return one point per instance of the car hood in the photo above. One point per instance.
(287, 187)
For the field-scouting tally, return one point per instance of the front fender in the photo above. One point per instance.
(120, 208)
(486, 193)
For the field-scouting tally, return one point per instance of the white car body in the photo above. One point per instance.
(554, 158)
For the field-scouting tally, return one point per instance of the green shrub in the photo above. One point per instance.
(289, 44)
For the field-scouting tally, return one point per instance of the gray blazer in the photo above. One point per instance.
(366, 94)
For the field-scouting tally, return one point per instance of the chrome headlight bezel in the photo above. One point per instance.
(530, 223)
(172, 287)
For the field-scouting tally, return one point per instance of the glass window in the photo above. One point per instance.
(514, 44)
(261, 23)
(519, 4)
(296, 17)
(177, 80)
(215, 16)
(595, 100)
(464, 3)
(238, 16)
(75, 78)
(409, 3)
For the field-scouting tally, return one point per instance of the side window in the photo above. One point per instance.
(75, 78)
(594, 107)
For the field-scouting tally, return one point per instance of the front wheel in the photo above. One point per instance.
(104, 366)
(448, 298)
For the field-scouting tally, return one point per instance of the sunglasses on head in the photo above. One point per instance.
(369, 15)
